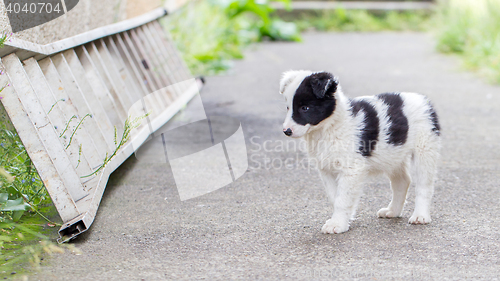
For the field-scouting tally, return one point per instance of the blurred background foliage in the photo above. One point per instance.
(211, 33)
(471, 29)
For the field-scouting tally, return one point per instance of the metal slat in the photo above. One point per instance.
(45, 130)
(172, 50)
(93, 55)
(178, 69)
(130, 64)
(125, 72)
(160, 92)
(89, 97)
(115, 111)
(151, 108)
(27, 131)
(161, 60)
(78, 98)
(56, 116)
(82, 134)
(164, 93)
(169, 58)
(137, 61)
(109, 64)
(152, 57)
(143, 57)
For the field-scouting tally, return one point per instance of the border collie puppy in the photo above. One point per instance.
(350, 139)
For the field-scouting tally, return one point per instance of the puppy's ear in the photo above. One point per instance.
(286, 79)
(323, 84)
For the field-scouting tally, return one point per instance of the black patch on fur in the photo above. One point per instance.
(398, 128)
(436, 128)
(316, 93)
(370, 131)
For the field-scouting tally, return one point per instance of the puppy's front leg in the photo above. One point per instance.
(346, 199)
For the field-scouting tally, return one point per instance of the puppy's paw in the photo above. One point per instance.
(419, 219)
(334, 227)
(387, 213)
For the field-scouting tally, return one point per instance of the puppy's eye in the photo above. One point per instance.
(304, 108)
(287, 108)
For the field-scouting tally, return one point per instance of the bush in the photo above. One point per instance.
(471, 28)
(210, 34)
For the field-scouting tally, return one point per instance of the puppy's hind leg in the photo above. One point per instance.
(400, 181)
(425, 160)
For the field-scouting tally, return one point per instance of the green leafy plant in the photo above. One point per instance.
(360, 20)
(272, 27)
(129, 125)
(4, 37)
(210, 34)
(207, 39)
(471, 29)
(25, 229)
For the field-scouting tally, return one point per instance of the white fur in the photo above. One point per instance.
(333, 143)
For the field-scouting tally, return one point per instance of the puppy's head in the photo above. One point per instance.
(310, 99)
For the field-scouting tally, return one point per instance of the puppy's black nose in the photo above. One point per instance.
(287, 132)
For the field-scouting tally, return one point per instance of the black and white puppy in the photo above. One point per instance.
(350, 139)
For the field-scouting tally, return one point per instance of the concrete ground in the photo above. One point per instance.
(266, 225)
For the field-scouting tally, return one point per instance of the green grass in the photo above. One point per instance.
(26, 231)
(360, 20)
(471, 29)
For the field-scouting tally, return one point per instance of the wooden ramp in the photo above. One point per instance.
(69, 102)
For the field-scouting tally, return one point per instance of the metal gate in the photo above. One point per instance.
(71, 102)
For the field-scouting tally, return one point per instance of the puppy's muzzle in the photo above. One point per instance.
(287, 132)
